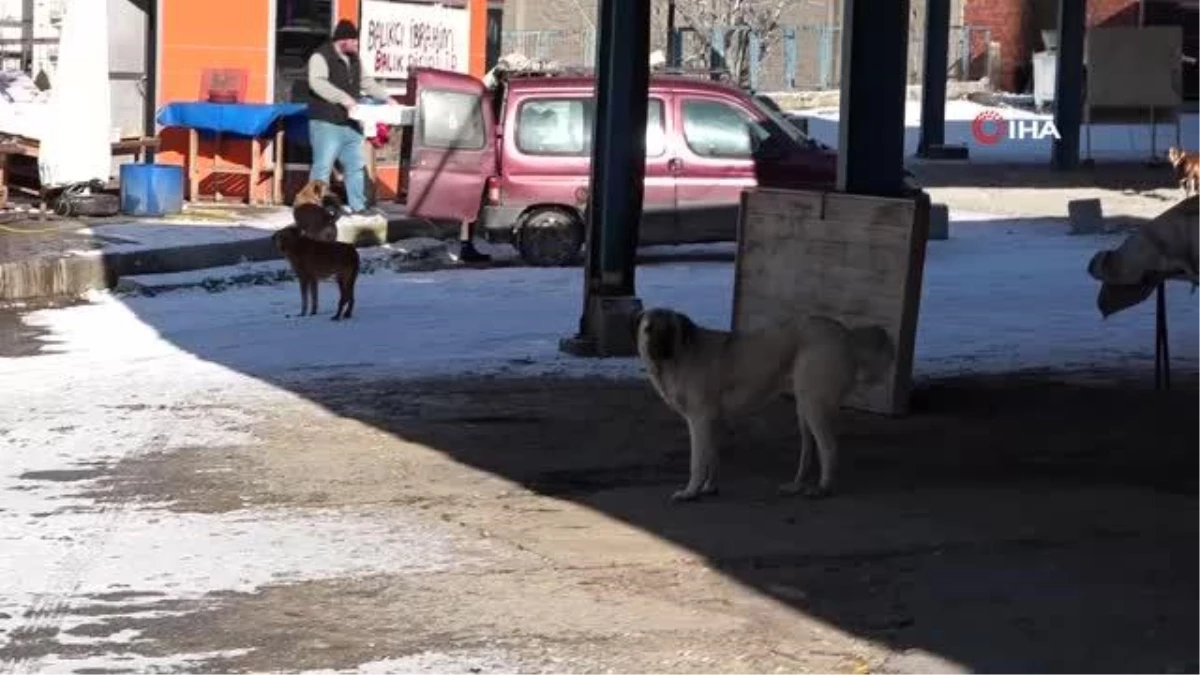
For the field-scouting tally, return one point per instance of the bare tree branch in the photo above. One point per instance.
(738, 19)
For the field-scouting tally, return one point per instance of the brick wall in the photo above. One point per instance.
(1016, 26)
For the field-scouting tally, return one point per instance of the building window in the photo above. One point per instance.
(300, 27)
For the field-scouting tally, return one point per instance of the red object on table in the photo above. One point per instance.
(382, 133)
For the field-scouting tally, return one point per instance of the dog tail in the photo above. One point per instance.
(874, 352)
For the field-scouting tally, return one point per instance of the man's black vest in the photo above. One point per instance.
(343, 74)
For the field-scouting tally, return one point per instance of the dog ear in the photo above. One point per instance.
(661, 333)
(687, 330)
(635, 321)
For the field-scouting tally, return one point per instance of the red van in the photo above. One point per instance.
(515, 158)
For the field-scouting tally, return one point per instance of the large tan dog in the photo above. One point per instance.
(709, 375)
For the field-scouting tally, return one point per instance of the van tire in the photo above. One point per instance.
(549, 237)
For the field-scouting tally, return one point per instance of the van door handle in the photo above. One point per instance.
(675, 164)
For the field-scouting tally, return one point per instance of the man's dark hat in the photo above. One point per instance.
(345, 30)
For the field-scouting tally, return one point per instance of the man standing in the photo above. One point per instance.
(336, 81)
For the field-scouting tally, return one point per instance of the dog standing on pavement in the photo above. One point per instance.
(1187, 169)
(709, 375)
(316, 210)
(313, 260)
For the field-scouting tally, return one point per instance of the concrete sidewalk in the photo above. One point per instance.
(55, 257)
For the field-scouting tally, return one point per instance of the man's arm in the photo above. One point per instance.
(373, 89)
(318, 82)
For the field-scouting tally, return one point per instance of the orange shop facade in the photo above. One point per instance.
(264, 45)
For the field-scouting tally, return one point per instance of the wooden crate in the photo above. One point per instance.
(854, 258)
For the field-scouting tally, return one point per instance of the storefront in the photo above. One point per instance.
(259, 49)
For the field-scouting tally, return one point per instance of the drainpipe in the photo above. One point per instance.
(150, 88)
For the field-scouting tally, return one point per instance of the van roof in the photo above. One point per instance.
(537, 82)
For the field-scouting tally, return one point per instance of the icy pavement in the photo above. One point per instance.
(123, 377)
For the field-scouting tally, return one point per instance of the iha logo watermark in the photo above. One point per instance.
(989, 127)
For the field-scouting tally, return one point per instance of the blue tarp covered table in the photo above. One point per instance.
(241, 119)
(247, 120)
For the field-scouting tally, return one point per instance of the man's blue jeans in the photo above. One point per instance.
(337, 142)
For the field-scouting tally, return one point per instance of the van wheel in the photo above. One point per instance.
(550, 238)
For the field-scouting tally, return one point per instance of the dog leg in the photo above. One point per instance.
(350, 296)
(709, 487)
(303, 296)
(796, 486)
(703, 440)
(346, 297)
(820, 418)
(313, 283)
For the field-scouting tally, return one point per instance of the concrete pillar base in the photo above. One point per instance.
(1086, 216)
(944, 152)
(939, 222)
(611, 323)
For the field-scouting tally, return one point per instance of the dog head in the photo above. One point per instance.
(874, 352)
(1175, 155)
(313, 192)
(332, 205)
(661, 334)
(285, 238)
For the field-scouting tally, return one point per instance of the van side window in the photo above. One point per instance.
(563, 126)
(451, 120)
(716, 129)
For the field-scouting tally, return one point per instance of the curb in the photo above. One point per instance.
(421, 256)
(48, 278)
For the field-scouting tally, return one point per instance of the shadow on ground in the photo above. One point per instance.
(1153, 180)
(1010, 524)
(1034, 522)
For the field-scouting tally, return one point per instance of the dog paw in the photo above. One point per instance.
(685, 495)
(335, 317)
(816, 491)
(790, 489)
(709, 490)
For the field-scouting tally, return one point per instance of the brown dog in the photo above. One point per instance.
(315, 211)
(313, 260)
(1187, 169)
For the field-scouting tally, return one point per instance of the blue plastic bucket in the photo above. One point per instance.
(151, 189)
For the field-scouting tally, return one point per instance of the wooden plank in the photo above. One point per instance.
(277, 166)
(854, 258)
(3, 180)
(255, 174)
(193, 169)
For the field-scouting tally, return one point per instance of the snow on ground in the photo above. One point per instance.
(996, 296)
(127, 237)
(192, 227)
(1110, 142)
(126, 376)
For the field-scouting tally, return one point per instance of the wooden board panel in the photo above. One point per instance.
(1135, 67)
(854, 258)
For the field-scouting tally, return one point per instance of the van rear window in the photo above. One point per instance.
(563, 127)
(451, 120)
